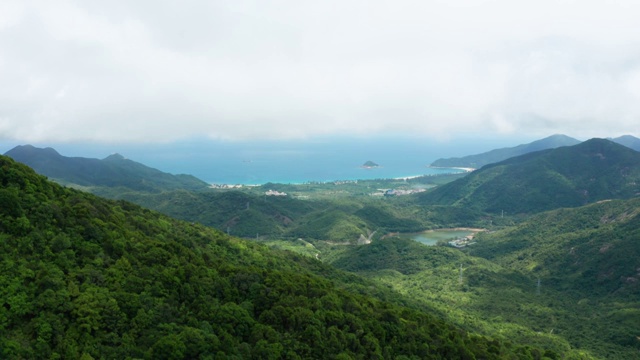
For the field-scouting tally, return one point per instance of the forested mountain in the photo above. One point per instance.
(589, 257)
(628, 141)
(569, 176)
(554, 141)
(479, 160)
(572, 286)
(112, 171)
(83, 277)
(593, 249)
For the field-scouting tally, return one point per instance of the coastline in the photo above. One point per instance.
(465, 169)
(405, 178)
(358, 173)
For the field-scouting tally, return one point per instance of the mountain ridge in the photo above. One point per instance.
(629, 141)
(113, 171)
(479, 160)
(569, 176)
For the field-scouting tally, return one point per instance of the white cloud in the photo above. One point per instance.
(160, 71)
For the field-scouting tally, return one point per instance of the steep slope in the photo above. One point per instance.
(113, 171)
(479, 160)
(571, 176)
(242, 214)
(83, 277)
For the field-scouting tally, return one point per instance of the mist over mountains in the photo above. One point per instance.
(112, 171)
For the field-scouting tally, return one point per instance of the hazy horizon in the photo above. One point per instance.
(292, 161)
(162, 72)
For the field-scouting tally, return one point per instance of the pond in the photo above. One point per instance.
(431, 237)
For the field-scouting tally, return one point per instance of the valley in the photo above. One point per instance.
(458, 237)
(319, 180)
(551, 270)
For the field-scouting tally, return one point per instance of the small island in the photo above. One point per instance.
(370, 165)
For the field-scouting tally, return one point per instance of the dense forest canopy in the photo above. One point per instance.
(84, 277)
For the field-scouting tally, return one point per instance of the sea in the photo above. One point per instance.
(298, 162)
(316, 160)
(288, 162)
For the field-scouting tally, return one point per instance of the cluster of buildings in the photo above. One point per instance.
(397, 192)
(462, 242)
(342, 182)
(225, 186)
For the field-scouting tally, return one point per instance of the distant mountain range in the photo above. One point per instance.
(555, 141)
(568, 176)
(112, 171)
(479, 160)
(628, 141)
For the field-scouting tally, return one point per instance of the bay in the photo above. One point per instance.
(296, 162)
(287, 161)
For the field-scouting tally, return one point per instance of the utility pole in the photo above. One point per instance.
(460, 276)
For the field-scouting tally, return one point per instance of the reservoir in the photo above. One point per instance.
(431, 237)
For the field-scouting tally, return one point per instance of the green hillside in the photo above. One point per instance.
(83, 277)
(502, 300)
(113, 171)
(588, 256)
(479, 160)
(571, 176)
(591, 250)
(248, 214)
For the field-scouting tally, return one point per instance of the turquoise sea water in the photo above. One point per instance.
(300, 161)
(309, 162)
(296, 170)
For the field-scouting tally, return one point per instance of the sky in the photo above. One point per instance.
(165, 71)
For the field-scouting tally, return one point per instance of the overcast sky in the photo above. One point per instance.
(160, 71)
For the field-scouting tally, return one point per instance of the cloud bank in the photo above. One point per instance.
(159, 71)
